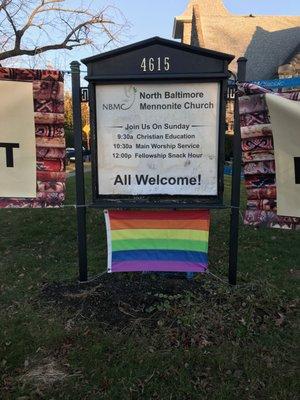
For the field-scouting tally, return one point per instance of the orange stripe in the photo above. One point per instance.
(161, 215)
(159, 224)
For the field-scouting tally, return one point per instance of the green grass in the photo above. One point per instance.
(232, 343)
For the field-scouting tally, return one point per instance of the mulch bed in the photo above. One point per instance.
(117, 299)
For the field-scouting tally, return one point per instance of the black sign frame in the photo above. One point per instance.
(192, 65)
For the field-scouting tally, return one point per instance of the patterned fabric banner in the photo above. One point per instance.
(166, 241)
(48, 103)
(259, 159)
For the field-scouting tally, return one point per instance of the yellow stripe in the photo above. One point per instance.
(127, 234)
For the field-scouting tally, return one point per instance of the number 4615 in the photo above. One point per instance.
(155, 64)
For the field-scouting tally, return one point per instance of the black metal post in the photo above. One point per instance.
(80, 189)
(236, 182)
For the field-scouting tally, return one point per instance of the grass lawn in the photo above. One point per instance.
(143, 337)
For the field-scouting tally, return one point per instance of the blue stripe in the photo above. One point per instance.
(159, 255)
(274, 83)
(279, 83)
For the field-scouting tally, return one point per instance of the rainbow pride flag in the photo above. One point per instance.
(166, 241)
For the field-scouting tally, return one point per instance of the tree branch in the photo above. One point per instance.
(4, 7)
(4, 3)
(38, 50)
(38, 10)
(73, 26)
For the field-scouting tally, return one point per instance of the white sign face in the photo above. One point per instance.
(158, 139)
(17, 140)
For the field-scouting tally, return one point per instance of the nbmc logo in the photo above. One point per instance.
(112, 107)
(126, 104)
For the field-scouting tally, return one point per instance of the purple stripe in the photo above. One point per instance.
(162, 266)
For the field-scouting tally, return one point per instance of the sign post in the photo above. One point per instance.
(236, 181)
(158, 126)
(80, 189)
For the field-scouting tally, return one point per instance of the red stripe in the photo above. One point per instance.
(162, 215)
(198, 224)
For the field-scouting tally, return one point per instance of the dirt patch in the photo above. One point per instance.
(173, 312)
(116, 299)
(47, 373)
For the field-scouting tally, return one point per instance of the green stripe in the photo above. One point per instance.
(153, 244)
(180, 234)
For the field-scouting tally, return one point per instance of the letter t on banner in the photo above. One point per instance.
(9, 147)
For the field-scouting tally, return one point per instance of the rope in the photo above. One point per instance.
(70, 72)
(93, 279)
(93, 206)
(217, 277)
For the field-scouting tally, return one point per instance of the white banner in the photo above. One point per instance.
(285, 120)
(158, 138)
(17, 140)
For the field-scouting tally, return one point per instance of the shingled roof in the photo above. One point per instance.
(292, 65)
(267, 41)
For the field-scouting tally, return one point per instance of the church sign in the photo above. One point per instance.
(158, 125)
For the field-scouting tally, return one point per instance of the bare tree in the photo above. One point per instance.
(33, 27)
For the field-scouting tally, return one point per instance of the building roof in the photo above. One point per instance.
(291, 67)
(266, 41)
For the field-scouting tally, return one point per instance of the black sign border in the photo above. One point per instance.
(159, 201)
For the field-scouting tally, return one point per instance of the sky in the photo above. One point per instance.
(149, 18)
(156, 17)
